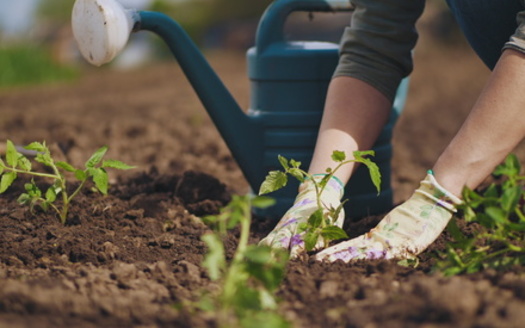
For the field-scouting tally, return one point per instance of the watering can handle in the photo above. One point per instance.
(271, 26)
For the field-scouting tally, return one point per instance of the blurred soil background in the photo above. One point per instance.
(140, 250)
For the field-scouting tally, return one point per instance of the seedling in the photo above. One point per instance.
(249, 280)
(321, 222)
(497, 214)
(16, 163)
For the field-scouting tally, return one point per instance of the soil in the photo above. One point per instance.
(126, 259)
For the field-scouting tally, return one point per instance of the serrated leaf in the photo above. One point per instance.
(295, 163)
(51, 195)
(338, 156)
(6, 181)
(262, 202)
(65, 166)
(333, 233)
(23, 163)
(283, 161)
(100, 178)
(310, 239)
(81, 175)
(114, 164)
(24, 199)
(510, 198)
(96, 157)
(496, 214)
(297, 173)
(44, 158)
(37, 146)
(214, 260)
(360, 154)
(11, 154)
(315, 219)
(275, 180)
(510, 167)
(258, 254)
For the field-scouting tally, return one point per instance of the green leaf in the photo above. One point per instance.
(65, 166)
(333, 233)
(275, 180)
(360, 154)
(258, 254)
(81, 175)
(24, 199)
(51, 195)
(23, 163)
(6, 181)
(315, 219)
(96, 157)
(496, 214)
(44, 158)
(100, 177)
(510, 198)
(295, 163)
(510, 167)
(37, 146)
(283, 161)
(338, 156)
(11, 155)
(114, 164)
(262, 202)
(297, 173)
(310, 239)
(375, 174)
(214, 260)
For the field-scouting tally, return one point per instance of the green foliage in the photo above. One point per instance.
(29, 64)
(248, 282)
(321, 222)
(498, 238)
(16, 163)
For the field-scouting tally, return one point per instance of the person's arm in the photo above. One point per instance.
(492, 130)
(376, 53)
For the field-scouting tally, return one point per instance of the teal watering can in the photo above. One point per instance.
(289, 80)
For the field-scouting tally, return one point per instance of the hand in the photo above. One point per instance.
(404, 232)
(286, 233)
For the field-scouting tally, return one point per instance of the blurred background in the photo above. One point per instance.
(37, 46)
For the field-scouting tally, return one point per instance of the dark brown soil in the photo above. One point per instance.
(125, 260)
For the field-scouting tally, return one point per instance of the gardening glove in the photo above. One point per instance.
(404, 232)
(286, 234)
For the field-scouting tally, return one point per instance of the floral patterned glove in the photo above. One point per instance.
(404, 232)
(286, 233)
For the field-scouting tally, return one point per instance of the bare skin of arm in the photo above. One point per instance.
(493, 128)
(354, 115)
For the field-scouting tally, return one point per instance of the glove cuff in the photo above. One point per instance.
(430, 188)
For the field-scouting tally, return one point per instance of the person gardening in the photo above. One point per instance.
(375, 55)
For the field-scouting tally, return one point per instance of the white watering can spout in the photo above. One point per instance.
(102, 28)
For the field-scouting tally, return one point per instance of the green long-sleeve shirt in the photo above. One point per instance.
(377, 46)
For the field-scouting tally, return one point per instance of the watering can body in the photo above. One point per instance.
(289, 81)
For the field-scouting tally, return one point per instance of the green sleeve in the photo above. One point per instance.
(377, 46)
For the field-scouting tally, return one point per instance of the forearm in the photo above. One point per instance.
(493, 129)
(353, 118)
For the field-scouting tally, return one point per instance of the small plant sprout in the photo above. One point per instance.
(248, 281)
(16, 163)
(497, 215)
(321, 222)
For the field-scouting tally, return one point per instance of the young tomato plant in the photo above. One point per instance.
(320, 224)
(248, 281)
(497, 214)
(16, 163)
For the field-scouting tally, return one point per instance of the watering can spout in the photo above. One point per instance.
(102, 28)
